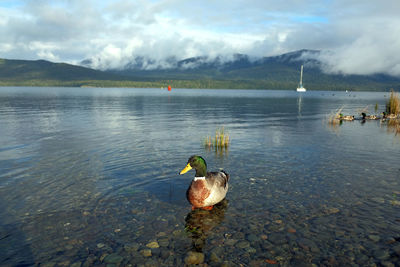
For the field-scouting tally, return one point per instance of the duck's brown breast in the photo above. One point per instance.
(197, 193)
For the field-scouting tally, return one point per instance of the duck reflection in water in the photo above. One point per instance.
(200, 223)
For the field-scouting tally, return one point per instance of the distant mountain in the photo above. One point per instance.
(278, 72)
(45, 70)
(237, 71)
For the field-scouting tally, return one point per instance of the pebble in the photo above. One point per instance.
(381, 254)
(308, 244)
(242, 244)
(165, 253)
(146, 252)
(163, 242)
(390, 240)
(374, 238)
(88, 262)
(277, 238)
(65, 263)
(378, 200)
(387, 264)
(396, 249)
(252, 238)
(395, 202)
(160, 234)
(177, 232)
(113, 258)
(214, 257)
(332, 210)
(153, 244)
(264, 237)
(230, 242)
(131, 247)
(100, 245)
(251, 250)
(194, 258)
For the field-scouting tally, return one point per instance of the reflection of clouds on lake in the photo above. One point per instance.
(277, 137)
(109, 170)
(49, 122)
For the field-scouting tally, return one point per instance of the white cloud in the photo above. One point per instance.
(374, 49)
(361, 37)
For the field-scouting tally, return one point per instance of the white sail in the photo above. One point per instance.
(301, 88)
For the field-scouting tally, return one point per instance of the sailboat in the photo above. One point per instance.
(301, 88)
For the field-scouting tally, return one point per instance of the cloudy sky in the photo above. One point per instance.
(356, 36)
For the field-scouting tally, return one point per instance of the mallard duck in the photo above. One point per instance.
(346, 117)
(369, 117)
(207, 188)
(389, 116)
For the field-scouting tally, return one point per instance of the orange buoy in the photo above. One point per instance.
(169, 87)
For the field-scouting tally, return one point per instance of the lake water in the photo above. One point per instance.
(89, 177)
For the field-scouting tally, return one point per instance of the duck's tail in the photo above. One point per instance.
(226, 177)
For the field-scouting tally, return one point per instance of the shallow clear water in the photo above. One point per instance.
(90, 177)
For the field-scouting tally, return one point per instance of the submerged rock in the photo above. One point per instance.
(374, 238)
(395, 202)
(194, 258)
(396, 249)
(252, 238)
(214, 257)
(379, 200)
(251, 250)
(230, 242)
(381, 254)
(131, 247)
(243, 244)
(146, 252)
(113, 258)
(277, 238)
(332, 210)
(387, 264)
(153, 244)
(163, 242)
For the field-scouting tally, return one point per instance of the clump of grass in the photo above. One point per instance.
(394, 126)
(220, 140)
(393, 105)
(334, 118)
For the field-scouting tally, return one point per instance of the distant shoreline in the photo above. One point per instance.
(194, 88)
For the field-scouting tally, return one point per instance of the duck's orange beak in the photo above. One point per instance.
(186, 169)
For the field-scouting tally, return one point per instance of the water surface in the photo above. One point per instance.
(89, 176)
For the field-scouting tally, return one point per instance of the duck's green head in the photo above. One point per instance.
(197, 163)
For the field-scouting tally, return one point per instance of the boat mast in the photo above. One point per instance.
(301, 77)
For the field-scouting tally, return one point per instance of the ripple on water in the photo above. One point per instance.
(91, 180)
